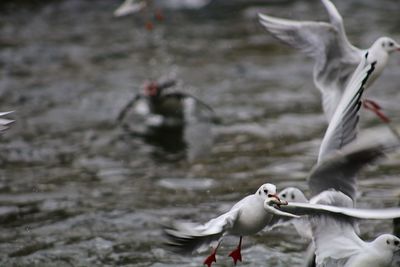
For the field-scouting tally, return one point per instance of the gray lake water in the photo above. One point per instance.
(77, 190)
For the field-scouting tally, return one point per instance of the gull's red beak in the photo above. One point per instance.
(275, 196)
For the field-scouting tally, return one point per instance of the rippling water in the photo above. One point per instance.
(77, 190)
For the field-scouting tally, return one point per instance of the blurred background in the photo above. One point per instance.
(76, 189)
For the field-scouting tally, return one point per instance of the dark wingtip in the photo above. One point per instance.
(166, 84)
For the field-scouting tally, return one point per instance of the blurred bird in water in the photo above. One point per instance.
(172, 120)
(161, 107)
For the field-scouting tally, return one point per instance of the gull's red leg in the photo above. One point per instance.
(374, 107)
(235, 254)
(210, 259)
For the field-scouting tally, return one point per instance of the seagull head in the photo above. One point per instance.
(267, 192)
(388, 44)
(293, 194)
(387, 242)
(151, 89)
(154, 89)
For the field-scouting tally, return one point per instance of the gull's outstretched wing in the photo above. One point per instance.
(310, 37)
(335, 58)
(334, 236)
(318, 209)
(342, 128)
(339, 170)
(5, 123)
(187, 237)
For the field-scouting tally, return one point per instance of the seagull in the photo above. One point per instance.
(335, 57)
(130, 7)
(134, 6)
(340, 159)
(152, 100)
(5, 123)
(337, 242)
(331, 171)
(246, 217)
(338, 172)
(161, 108)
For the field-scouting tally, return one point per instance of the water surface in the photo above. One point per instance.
(77, 190)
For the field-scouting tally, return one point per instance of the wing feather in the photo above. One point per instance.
(185, 238)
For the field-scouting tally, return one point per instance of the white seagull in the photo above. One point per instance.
(335, 57)
(341, 131)
(339, 161)
(133, 6)
(5, 123)
(247, 217)
(337, 172)
(130, 7)
(159, 107)
(337, 243)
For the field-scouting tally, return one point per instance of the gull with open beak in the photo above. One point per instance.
(340, 159)
(246, 217)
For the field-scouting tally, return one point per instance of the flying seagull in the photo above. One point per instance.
(246, 217)
(335, 57)
(337, 243)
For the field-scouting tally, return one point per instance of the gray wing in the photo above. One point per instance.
(315, 39)
(5, 123)
(342, 128)
(302, 209)
(339, 171)
(334, 236)
(335, 58)
(187, 237)
(129, 7)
